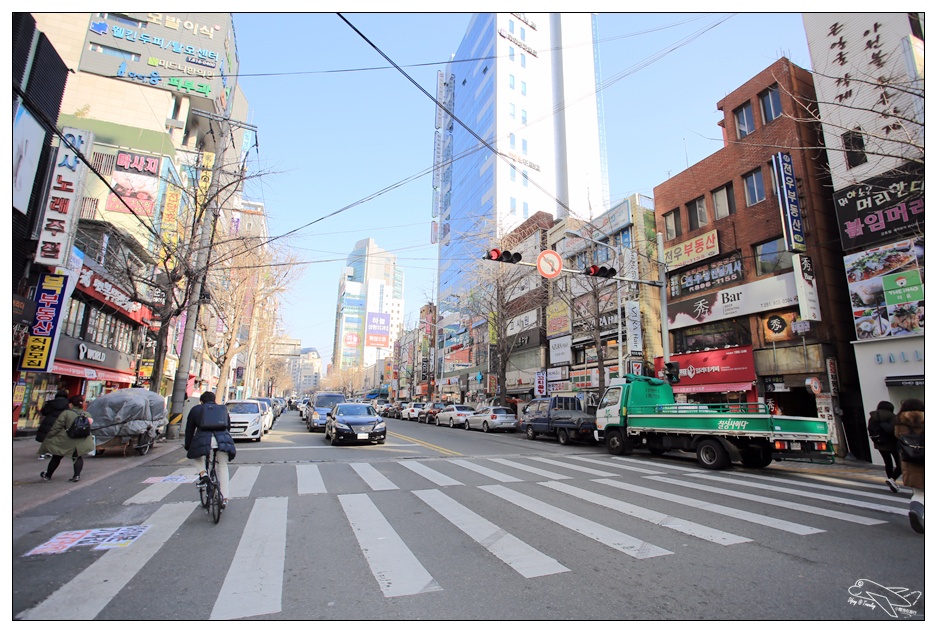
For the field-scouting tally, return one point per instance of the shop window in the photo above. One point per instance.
(716, 335)
(854, 145)
(771, 257)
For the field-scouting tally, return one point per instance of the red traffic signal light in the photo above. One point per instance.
(600, 271)
(504, 256)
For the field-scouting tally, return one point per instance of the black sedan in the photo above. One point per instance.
(354, 423)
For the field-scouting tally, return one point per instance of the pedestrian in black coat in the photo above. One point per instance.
(881, 431)
(50, 412)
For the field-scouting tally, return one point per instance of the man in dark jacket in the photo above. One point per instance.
(203, 433)
(50, 412)
(881, 431)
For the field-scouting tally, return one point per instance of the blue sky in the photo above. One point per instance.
(338, 128)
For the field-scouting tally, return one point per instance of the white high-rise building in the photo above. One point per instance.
(524, 85)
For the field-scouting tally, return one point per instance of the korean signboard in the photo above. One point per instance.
(806, 289)
(739, 300)
(885, 285)
(558, 321)
(779, 326)
(43, 333)
(708, 276)
(63, 202)
(713, 368)
(560, 350)
(136, 181)
(377, 330)
(882, 208)
(794, 234)
(691, 251)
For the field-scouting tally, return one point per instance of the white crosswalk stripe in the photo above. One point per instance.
(486, 471)
(309, 479)
(429, 474)
(533, 470)
(243, 480)
(372, 477)
(572, 466)
(833, 488)
(155, 492)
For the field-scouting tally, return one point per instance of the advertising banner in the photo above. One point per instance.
(750, 298)
(540, 384)
(779, 326)
(885, 285)
(377, 330)
(560, 350)
(691, 251)
(708, 276)
(28, 139)
(43, 333)
(794, 234)
(63, 204)
(887, 207)
(634, 330)
(806, 290)
(721, 366)
(136, 181)
(558, 321)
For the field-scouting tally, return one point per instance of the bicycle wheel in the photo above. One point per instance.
(216, 504)
(203, 494)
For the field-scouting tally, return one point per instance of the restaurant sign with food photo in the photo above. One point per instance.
(886, 289)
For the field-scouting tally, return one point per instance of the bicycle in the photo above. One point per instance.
(210, 490)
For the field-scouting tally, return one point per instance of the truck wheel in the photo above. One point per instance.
(755, 458)
(529, 432)
(563, 436)
(615, 442)
(711, 455)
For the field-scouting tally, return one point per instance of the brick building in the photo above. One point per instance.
(758, 307)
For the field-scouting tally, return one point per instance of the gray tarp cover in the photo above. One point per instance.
(127, 412)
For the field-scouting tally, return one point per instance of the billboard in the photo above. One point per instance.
(706, 277)
(739, 300)
(377, 330)
(885, 286)
(43, 333)
(691, 251)
(883, 208)
(806, 289)
(136, 181)
(28, 138)
(794, 233)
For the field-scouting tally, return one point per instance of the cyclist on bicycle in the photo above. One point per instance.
(208, 427)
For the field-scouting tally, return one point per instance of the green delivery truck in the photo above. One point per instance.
(641, 412)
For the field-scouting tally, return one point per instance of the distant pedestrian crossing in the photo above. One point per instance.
(512, 513)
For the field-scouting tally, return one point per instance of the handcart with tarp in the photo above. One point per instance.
(130, 418)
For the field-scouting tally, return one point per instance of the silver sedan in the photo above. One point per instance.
(492, 418)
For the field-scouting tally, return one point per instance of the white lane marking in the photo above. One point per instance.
(835, 488)
(394, 566)
(533, 470)
(429, 474)
(254, 581)
(670, 522)
(243, 481)
(622, 542)
(740, 514)
(520, 556)
(486, 471)
(374, 479)
(309, 479)
(578, 468)
(155, 492)
(667, 466)
(83, 598)
(619, 466)
(794, 492)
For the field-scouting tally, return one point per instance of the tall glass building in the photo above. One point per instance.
(526, 135)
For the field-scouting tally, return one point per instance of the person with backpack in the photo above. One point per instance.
(70, 435)
(207, 427)
(909, 432)
(881, 431)
(50, 412)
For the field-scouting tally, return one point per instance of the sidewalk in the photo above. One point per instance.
(30, 491)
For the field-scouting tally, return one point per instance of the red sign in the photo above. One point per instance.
(351, 340)
(735, 365)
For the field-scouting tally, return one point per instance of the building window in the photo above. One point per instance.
(526, 178)
(526, 210)
(673, 225)
(523, 60)
(513, 206)
(511, 52)
(697, 215)
(513, 141)
(523, 144)
(772, 256)
(510, 26)
(523, 88)
(513, 111)
(754, 187)
(513, 173)
(511, 82)
(523, 118)
(853, 143)
(723, 201)
(522, 34)
(744, 120)
(770, 104)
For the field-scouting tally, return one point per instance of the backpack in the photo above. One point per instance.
(213, 417)
(80, 428)
(911, 447)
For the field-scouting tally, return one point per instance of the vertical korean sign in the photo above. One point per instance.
(63, 203)
(794, 233)
(43, 333)
(807, 293)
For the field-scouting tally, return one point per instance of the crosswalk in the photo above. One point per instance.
(514, 511)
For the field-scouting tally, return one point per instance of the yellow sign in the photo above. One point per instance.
(691, 251)
(557, 319)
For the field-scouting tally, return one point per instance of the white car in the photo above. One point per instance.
(454, 415)
(267, 413)
(411, 412)
(246, 419)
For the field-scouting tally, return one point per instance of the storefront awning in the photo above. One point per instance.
(903, 380)
(88, 373)
(731, 387)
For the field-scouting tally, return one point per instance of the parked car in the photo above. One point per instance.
(267, 412)
(302, 407)
(246, 419)
(411, 412)
(454, 415)
(428, 413)
(396, 410)
(492, 418)
(354, 423)
(272, 406)
(318, 409)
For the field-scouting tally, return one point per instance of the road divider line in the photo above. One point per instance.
(426, 444)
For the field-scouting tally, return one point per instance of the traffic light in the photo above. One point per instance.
(504, 256)
(671, 372)
(600, 271)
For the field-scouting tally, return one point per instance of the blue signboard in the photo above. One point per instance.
(793, 232)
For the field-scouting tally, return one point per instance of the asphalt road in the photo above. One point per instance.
(447, 524)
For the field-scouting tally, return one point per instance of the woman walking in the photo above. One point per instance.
(910, 422)
(59, 444)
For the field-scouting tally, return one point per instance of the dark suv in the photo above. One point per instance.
(429, 412)
(319, 406)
